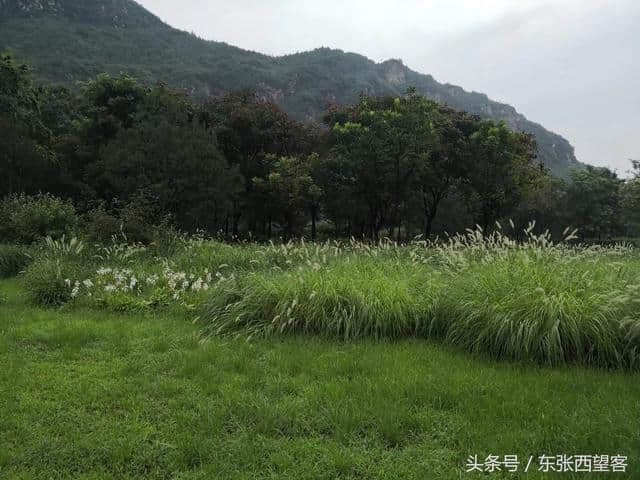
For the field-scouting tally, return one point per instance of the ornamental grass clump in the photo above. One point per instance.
(46, 279)
(348, 300)
(541, 305)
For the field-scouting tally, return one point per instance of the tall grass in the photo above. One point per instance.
(352, 299)
(532, 300)
(50, 279)
(547, 308)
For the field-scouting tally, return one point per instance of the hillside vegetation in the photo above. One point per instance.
(69, 41)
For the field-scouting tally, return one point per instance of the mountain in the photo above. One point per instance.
(70, 40)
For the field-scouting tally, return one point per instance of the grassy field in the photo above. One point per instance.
(189, 358)
(97, 395)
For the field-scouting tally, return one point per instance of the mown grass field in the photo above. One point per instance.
(97, 395)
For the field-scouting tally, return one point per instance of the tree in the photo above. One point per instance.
(501, 171)
(630, 201)
(382, 143)
(176, 163)
(110, 104)
(25, 156)
(249, 129)
(291, 192)
(593, 201)
(443, 166)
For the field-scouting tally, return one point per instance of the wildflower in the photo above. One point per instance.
(109, 288)
(87, 283)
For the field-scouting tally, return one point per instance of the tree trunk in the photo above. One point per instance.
(313, 225)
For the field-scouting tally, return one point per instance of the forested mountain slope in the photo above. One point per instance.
(70, 40)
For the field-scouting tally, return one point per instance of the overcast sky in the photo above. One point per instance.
(571, 65)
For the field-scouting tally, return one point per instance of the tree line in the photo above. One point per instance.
(239, 166)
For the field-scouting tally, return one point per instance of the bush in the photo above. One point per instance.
(100, 226)
(13, 259)
(26, 219)
(139, 217)
(136, 222)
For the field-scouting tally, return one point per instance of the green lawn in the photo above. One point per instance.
(93, 395)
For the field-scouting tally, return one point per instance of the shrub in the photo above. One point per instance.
(13, 259)
(101, 226)
(139, 217)
(26, 219)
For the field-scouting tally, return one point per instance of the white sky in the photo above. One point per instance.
(571, 65)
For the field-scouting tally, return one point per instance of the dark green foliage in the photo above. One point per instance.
(137, 157)
(93, 38)
(26, 219)
(501, 172)
(399, 158)
(290, 193)
(593, 202)
(630, 201)
(177, 165)
(100, 226)
(13, 259)
(25, 156)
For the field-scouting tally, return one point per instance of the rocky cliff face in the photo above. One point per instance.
(394, 72)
